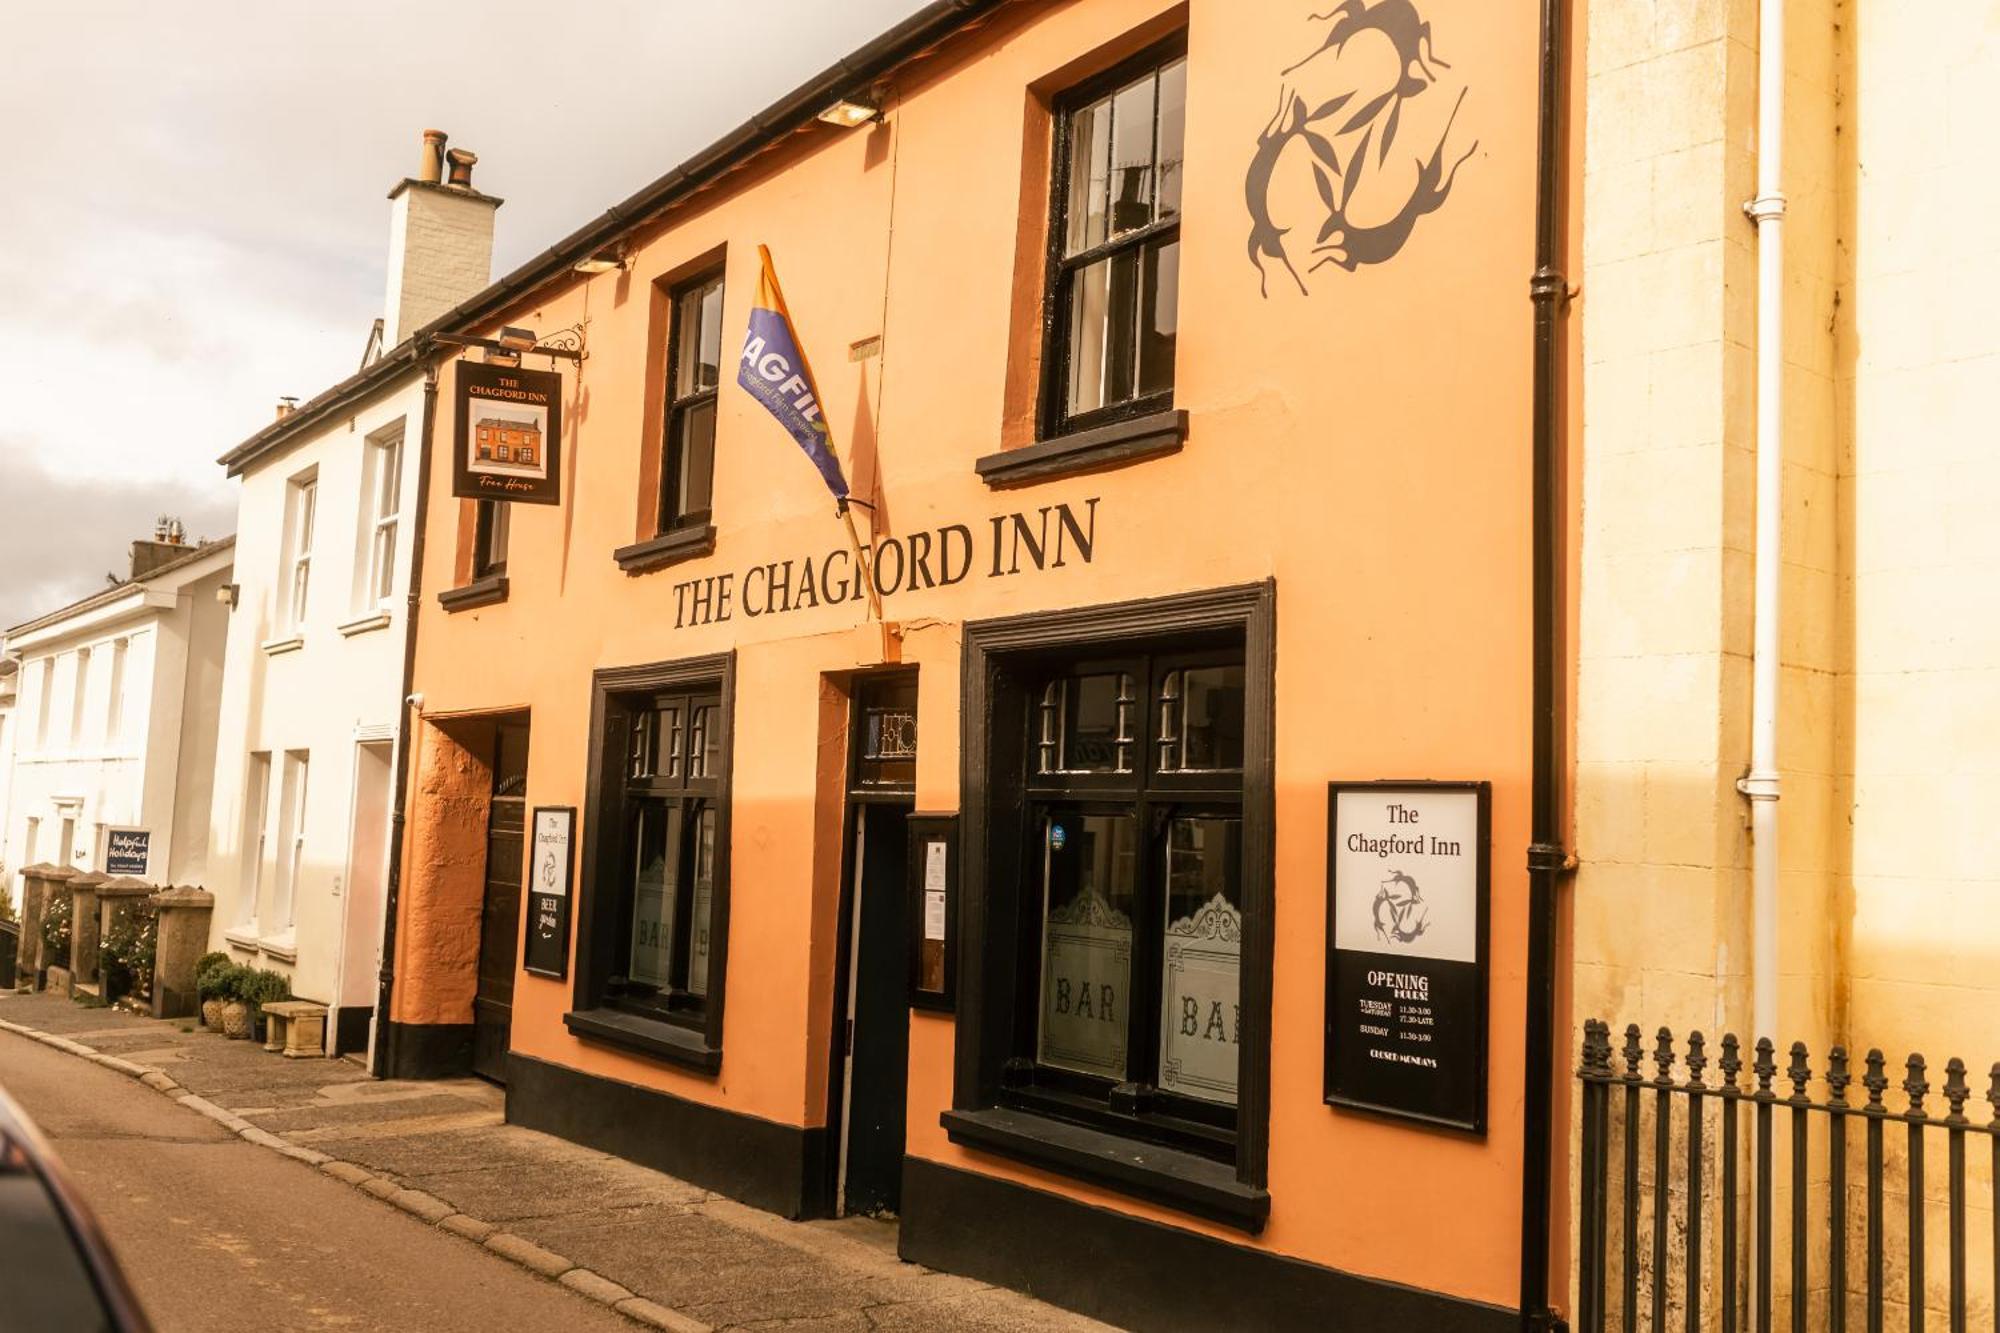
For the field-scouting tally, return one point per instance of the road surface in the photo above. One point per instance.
(219, 1235)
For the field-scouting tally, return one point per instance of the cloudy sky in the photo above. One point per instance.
(195, 224)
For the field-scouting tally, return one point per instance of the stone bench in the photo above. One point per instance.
(296, 1027)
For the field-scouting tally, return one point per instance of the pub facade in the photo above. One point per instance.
(1111, 860)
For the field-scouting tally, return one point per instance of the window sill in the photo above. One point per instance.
(480, 592)
(291, 643)
(648, 1036)
(1091, 450)
(1180, 1180)
(245, 938)
(380, 620)
(669, 548)
(284, 948)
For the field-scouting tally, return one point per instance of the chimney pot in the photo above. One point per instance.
(461, 168)
(287, 406)
(431, 168)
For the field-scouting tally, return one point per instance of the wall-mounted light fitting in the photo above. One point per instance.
(604, 261)
(517, 340)
(849, 112)
(227, 594)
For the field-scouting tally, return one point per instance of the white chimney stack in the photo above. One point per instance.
(440, 241)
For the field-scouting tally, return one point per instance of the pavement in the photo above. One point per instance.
(266, 1193)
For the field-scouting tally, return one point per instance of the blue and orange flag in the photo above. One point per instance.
(775, 372)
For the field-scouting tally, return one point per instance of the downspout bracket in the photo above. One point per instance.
(1765, 208)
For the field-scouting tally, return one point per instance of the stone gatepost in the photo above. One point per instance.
(85, 939)
(39, 883)
(116, 898)
(183, 939)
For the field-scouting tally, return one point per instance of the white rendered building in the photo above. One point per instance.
(313, 687)
(115, 721)
(10, 682)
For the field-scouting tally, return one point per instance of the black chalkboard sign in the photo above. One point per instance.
(551, 875)
(1406, 972)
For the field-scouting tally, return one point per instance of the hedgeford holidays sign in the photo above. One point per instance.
(1406, 984)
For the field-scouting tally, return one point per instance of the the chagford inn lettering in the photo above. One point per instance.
(1048, 538)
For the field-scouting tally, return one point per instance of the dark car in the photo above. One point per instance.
(56, 1271)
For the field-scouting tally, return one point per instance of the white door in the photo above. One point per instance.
(367, 878)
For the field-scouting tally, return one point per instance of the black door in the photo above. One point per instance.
(500, 919)
(873, 1027)
(878, 1065)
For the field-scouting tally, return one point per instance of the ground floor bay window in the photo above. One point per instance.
(654, 904)
(1117, 899)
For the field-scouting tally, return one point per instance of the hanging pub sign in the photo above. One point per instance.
(509, 434)
(550, 864)
(1406, 981)
(127, 851)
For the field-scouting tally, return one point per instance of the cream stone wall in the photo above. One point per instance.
(1889, 725)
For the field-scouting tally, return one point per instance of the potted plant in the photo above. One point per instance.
(208, 970)
(235, 1009)
(260, 988)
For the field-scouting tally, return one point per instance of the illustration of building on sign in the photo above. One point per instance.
(503, 441)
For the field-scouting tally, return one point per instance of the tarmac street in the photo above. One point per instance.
(219, 1234)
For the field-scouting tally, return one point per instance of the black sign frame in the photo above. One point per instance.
(1464, 1106)
(923, 830)
(516, 387)
(545, 937)
(119, 862)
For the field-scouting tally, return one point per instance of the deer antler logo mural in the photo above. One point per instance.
(1361, 145)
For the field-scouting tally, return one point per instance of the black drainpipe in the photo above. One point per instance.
(1547, 860)
(379, 1061)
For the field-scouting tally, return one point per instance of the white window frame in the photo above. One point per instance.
(386, 519)
(291, 838)
(79, 689)
(45, 703)
(256, 835)
(114, 718)
(298, 584)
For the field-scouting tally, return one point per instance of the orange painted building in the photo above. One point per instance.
(1183, 359)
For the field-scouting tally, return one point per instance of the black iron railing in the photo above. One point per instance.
(1633, 1260)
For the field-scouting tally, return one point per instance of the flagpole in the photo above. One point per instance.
(860, 560)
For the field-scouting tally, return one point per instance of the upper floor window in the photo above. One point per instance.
(304, 505)
(694, 357)
(114, 717)
(1115, 243)
(383, 513)
(77, 700)
(489, 538)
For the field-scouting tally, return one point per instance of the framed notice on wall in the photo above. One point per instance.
(127, 851)
(551, 872)
(509, 438)
(1406, 974)
(933, 881)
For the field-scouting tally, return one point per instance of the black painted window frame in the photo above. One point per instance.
(673, 418)
(685, 1035)
(1054, 418)
(492, 533)
(1000, 664)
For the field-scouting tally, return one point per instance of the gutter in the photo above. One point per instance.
(794, 111)
(378, 1053)
(1547, 859)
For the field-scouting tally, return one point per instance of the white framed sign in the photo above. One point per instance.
(551, 872)
(1407, 974)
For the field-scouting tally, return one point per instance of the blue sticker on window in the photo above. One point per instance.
(1057, 837)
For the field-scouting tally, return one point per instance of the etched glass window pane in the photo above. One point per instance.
(1089, 163)
(1132, 156)
(1200, 1012)
(705, 746)
(655, 882)
(667, 741)
(1172, 133)
(704, 890)
(642, 742)
(1089, 311)
(1089, 868)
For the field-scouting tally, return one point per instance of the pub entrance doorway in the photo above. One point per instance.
(872, 1012)
(500, 912)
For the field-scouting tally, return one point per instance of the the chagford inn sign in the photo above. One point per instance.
(1051, 537)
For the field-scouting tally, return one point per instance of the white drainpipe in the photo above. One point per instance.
(1761, 786)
